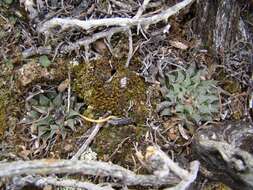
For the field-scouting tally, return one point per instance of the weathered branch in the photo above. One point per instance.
(96, 168)
(157, 157)
(36, 51)
(142, 9)
(157, 160)
(65, 23)
(44, 181)
(190, 178)
(86, 41)
(226, 153)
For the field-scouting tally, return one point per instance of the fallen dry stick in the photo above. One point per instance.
(165, 171)
(66, 23)
(42, 182)
(96, 168)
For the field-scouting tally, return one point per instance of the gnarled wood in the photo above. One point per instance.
(226, 152)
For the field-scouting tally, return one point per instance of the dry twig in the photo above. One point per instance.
(87, 142)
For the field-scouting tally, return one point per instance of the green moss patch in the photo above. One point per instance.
(116, 143)
(99, 84)
(4, 103)
(3, 123)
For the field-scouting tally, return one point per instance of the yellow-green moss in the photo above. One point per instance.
(98, 84)
(100, 88)
(3, 107)
(216, 186)
(9, 103)
(2, 117)
(116, 143)
(228, 83)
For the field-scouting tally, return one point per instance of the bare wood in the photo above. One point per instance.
(36, 51)
(122, 5)
(97, 168)
(130, 47)
(44, 181)
(154, 156)
(129, 22)
(185, 183)
(142, 9)
(226, 152)
(88, 40)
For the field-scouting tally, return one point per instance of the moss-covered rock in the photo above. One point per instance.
(109, 86)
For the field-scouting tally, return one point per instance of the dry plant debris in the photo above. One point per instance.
(147, 45)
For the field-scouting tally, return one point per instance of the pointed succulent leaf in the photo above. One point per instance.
(46, 121)
(204, 109)
(191, 71)
(166, 112)
(63, 133)
(33, 102)
(71, 124)
(171, 96)
(52, 94)
(196, 78)
(44, 61)
(43, 100)
(179, 108)
(163, 105)
(207, 99)
(180, 76)
(57, 129)
(187, 81)
(176, 88)
(182, 95)
(206, 117)
(196, 117)
(72, 114)
(41, 109)
(42, 130)
(164, 90)
(57, 101)
(214, 108)
(33, 115)
(188, 110)
(171, 78)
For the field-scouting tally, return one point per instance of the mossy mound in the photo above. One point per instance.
(4, 102)
(3, 122)
(117, 144)
(101, 85)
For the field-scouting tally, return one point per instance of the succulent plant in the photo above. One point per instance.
(49, 116)
(189, 95)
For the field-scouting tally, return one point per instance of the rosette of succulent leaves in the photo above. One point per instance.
(189, 95)
(52, 114)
